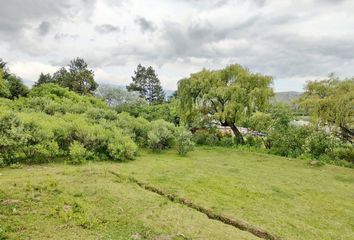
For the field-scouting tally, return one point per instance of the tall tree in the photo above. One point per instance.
(44, 78)
(16, 87)
(4, 90)
(77, 78)
(330, 102)
(146, 82)
(228, 96)
(13, 86)
(5, 70)
(139, 82)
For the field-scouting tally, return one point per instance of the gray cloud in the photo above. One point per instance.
(61, 36)
(19, 18)
(145, 25)
(106, 28)
(283, 40)
(44, 28)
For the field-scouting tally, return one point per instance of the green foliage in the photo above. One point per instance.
(205, 137)
(161, 136)
(121, 147)
(229, 96)
(343, 152)
(51, 98)
(43, 79)
(147, 84)
(330, 102)
(136, 128)
(35, 134)
(320, 143)
(4, 90)
(76, 77)
(260, 121)
(226, 141)
(253, 141)
(166, 111)
(16, 87)
(184, 141)
(11, 86)
(78, 153)
(288, 141)
(281, 115)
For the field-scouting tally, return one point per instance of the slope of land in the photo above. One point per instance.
(286, 97)
(285, 197)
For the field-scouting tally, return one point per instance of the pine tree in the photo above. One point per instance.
(139, 82)
(147, 84)
(78, 77)
(43, 78)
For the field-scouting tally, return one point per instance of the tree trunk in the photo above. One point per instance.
(236, 132)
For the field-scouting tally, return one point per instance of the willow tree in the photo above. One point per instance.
(330, 102)
(229, 96)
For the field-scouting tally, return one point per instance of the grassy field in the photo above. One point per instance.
(285, 197)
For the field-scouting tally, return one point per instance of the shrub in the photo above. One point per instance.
(319, 143)
(122, 147)
(253, 141)
(161, 135)
(204, 137)
(184, 141)
(96, 114)
(226, 141)
(78, 153)
(288, 141)
(12, 137)
(136, 128)
(344, 152)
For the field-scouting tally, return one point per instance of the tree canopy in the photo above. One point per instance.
(228, 96)
(330, 102)
(146, 82)
(43, 78)
(77, 77)
(11, 86)
(4, 90)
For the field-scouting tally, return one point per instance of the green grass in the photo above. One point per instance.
(285, 197)
(87, 202)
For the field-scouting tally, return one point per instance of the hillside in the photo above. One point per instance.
(286, 97)
(132, 200)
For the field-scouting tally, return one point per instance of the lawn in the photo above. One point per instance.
(286, 197)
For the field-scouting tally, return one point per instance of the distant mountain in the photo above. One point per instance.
(168, 92)
(286, 97)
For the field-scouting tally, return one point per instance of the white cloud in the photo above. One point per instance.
(31, 70)
(292, 41)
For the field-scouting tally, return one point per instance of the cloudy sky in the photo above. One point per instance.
(292, 40)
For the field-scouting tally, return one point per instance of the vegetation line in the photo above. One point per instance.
(244, 226)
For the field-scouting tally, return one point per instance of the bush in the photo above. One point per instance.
(184, 141)
(121, 147)
(226, 141)
(288, 141)
(204, 137)
(136, 128)
(78, 153)
(344, 152)
(161, 135)
(253, 141)
(320, 143)
(12, 137)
